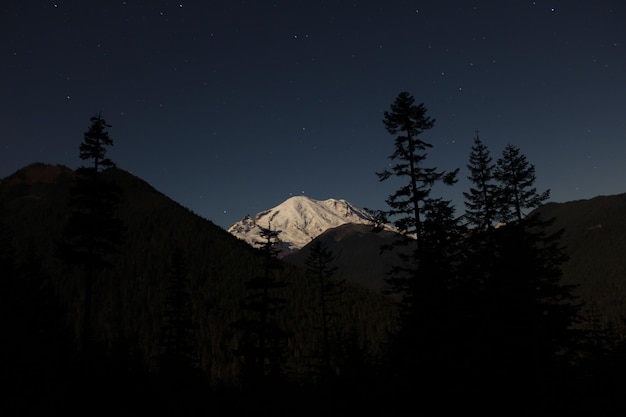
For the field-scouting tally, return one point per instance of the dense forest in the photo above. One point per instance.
(116, 299)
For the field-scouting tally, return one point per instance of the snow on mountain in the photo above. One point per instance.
(300, 219)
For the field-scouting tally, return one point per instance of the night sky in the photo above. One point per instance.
(231, 107)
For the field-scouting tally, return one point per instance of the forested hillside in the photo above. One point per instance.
(43, 303)
(594, 238)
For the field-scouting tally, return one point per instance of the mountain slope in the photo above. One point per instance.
(130, 298)
(300, 219)
(357, 254)
(594, 238)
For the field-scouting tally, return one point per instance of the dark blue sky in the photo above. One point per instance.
(230, 107)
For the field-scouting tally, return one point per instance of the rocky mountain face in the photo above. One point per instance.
(299, 219)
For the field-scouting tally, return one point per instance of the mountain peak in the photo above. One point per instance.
(300, 219)
(38, 173)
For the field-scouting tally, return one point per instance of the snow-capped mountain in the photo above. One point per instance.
(300, 219)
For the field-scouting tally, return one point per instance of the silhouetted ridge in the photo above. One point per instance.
(130, 299)
(593, 238)
(356, 248)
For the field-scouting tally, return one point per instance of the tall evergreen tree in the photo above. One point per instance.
(263, 338)
(522, 313)
(319, 263)
(529, 312)
(423, 277)
(516, 178)
(93, 233)
(480, 200)
(94, 146)
(408, 122)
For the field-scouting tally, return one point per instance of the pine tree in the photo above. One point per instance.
(263, 339)
(522, 313)
(428, 228)
(441, 240)
(516, 191)
(319, 263)
(93, 148)
(407, 205)
(480, 200)
(530, 313)
(93, 233)
(408, 121)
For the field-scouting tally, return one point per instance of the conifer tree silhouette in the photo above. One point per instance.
(480, 199)
(263, 338)
(319, 263)
(425, 224)
(516, 191)
(523, 314)
(93, 233)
